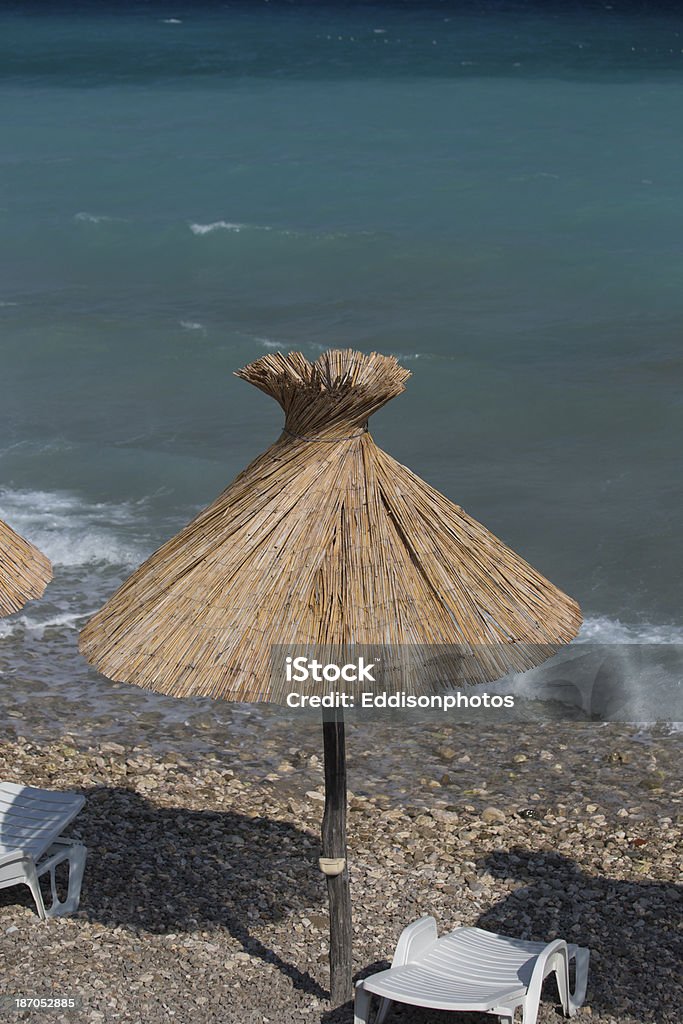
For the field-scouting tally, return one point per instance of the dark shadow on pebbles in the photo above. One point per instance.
(173, 869)
(632, 929)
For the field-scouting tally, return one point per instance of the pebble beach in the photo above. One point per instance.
(202, 898)
(488, 192)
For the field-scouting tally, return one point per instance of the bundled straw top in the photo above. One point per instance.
(326, 540)
(24, 571)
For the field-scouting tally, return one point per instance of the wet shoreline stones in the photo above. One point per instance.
(202, 899)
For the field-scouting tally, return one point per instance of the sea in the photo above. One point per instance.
(491, 191)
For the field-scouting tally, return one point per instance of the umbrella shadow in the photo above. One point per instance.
(629, 926)
(174, 869)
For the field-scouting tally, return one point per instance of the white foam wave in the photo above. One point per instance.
(604, 630)
(94, 218)
(309, 234)
(28, 624)
(411, 356)
(3, 304)
(287, 346)
(221, 225)
(74, 532)
(269, 343)
(613, 671)
(172, 21)
(72, 547)
(192, 325)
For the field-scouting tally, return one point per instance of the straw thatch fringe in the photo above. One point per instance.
(24, 571)
(326, 540)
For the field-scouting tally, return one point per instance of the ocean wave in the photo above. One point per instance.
(73, 532)
(94, 218)
(223, 225)
(313, 347)
(238, 226)
(603, 630)
(26, 623)
(614, 671)
(408, 357)
(192, 325)
(171, 21)
(316, 347)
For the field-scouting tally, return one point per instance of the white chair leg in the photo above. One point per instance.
(75, 854)
(383, 1009)
(576, 997)
(530, 1011)
(77, 857)
(361, 1004)
(34, 885)
(561, 973)
(553, 959)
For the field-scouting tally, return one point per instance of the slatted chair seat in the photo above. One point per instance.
(472, 969)
(31, 843)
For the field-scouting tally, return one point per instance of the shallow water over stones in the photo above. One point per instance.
(526, 767)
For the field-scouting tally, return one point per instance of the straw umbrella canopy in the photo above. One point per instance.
(325, 541)
(24, 571)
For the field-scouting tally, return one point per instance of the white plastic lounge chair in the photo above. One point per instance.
(31, 822)
(471, 969)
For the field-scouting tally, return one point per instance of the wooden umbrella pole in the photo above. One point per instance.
(333, 861)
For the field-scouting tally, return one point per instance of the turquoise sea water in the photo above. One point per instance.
(490, 191)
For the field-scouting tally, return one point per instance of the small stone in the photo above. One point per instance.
(112, 748)
(493, 814)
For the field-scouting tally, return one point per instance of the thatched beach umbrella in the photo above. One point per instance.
(24, 571)
(325, 541)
